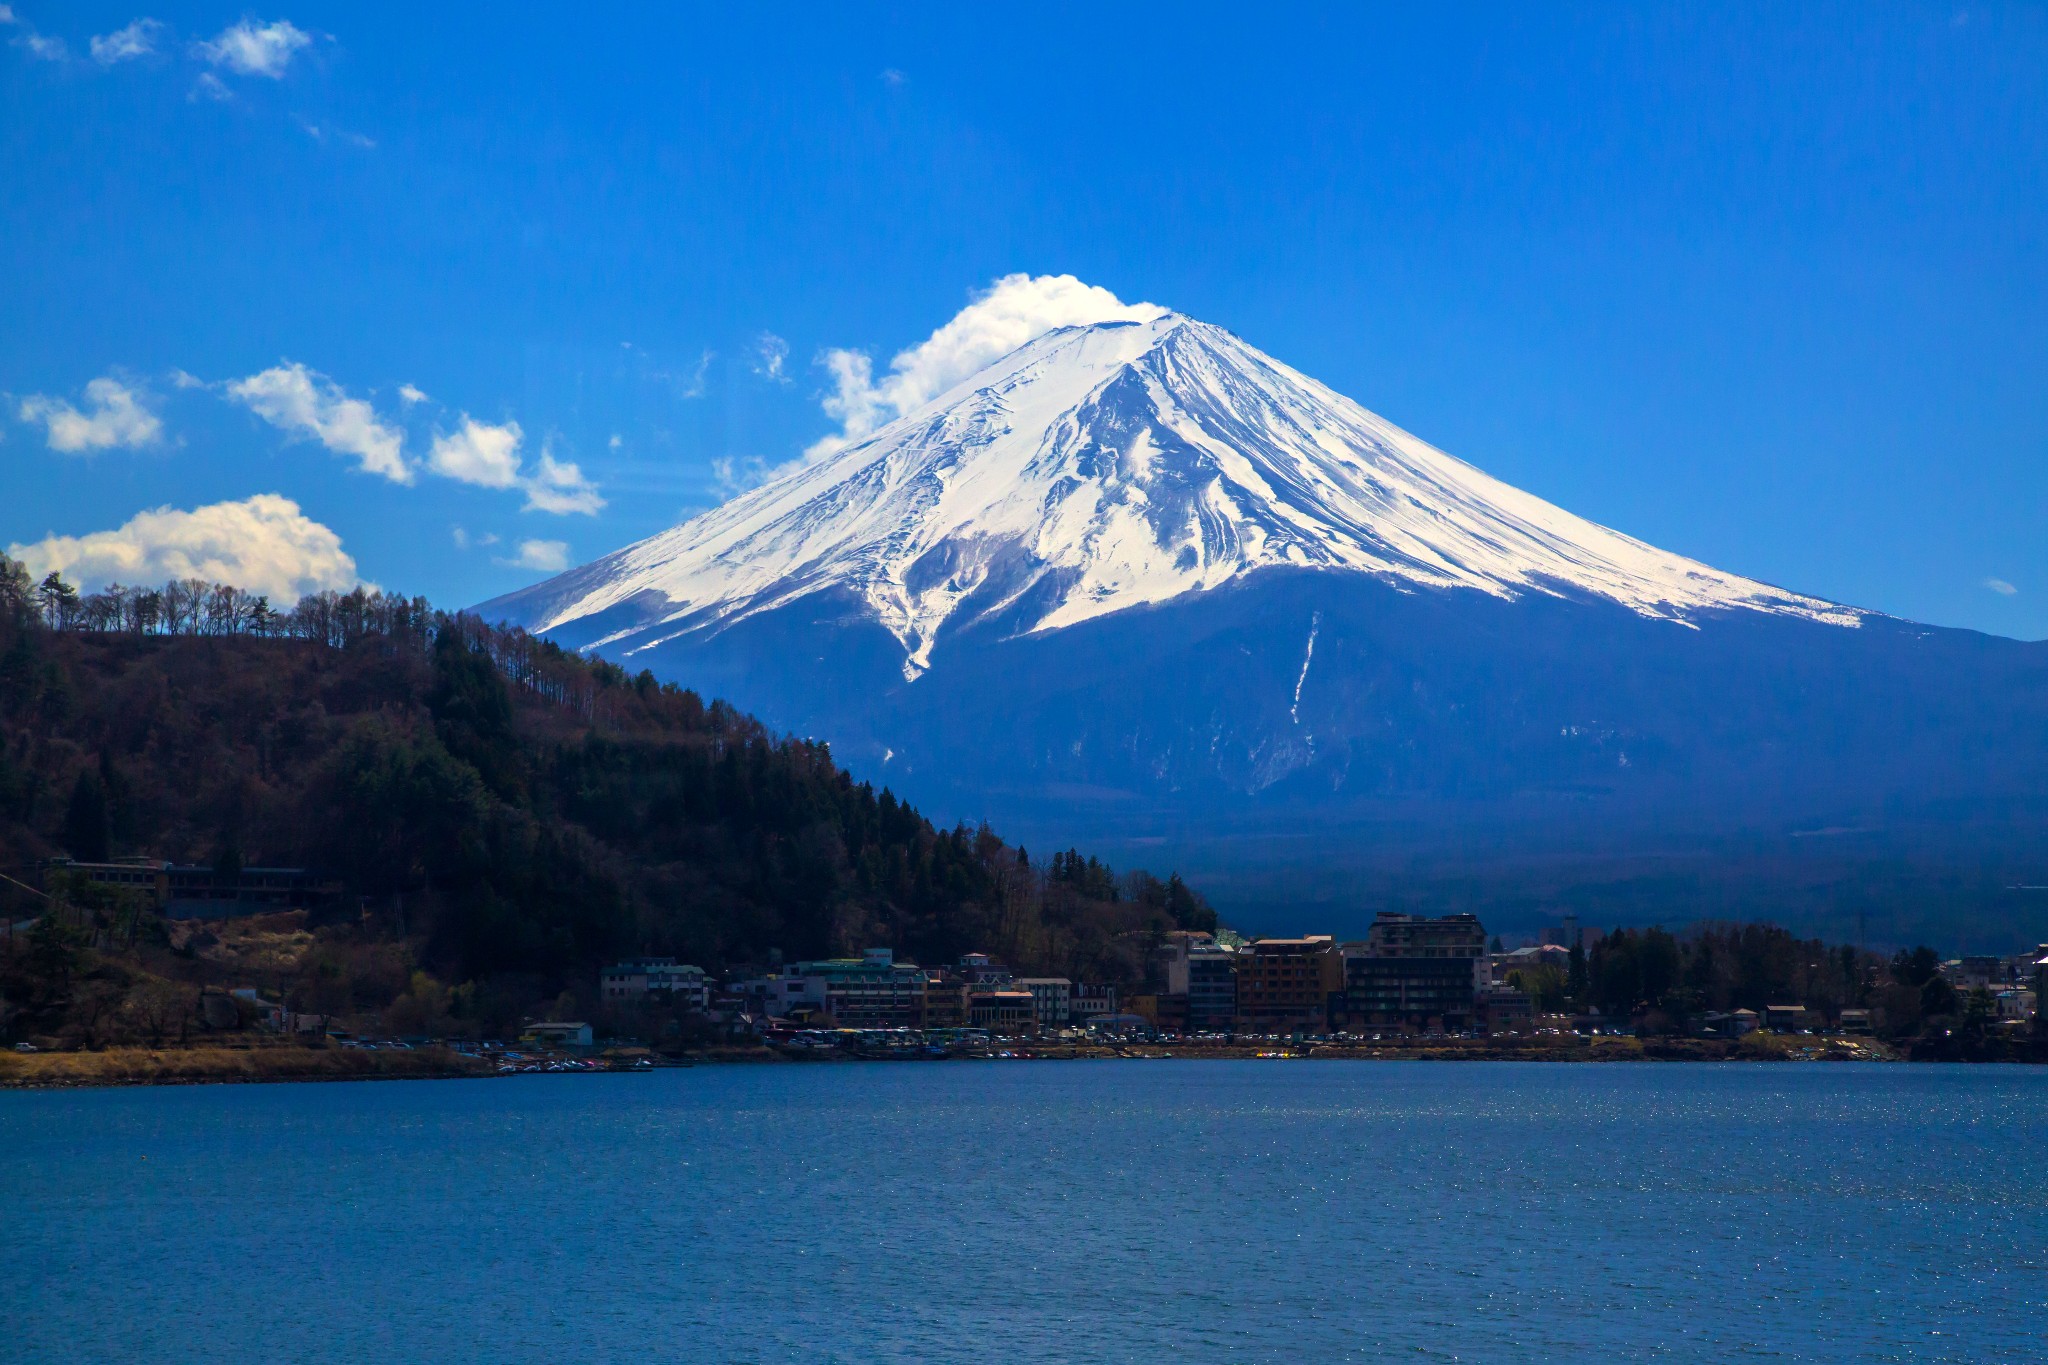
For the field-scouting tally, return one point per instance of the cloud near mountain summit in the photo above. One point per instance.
(1015, 309)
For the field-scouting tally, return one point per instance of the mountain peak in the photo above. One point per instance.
(1114, 465)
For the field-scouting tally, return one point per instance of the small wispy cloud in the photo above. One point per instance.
(693, 386)
(732, 475)
(558, 486)
(548, 556)
(210, 87)
(252, 48)
(409, 394)
(42, 46)
(771, 358)
(114, 415)
(892, 77)
(321, 132)
(138, 39)
(2000, 586)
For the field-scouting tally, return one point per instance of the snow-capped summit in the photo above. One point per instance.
(1103, 467)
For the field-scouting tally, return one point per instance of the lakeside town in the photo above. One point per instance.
(1415, 985)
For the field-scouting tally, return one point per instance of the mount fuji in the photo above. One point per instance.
(1137, 582)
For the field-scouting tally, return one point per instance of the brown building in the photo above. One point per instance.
(1284, 984)
(945, 1001)
(1003, 1011)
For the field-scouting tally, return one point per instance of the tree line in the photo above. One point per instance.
(1667, 979)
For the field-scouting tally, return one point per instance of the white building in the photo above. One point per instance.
(1051, 998)
(1091, 1002)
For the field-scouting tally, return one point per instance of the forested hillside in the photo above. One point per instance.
(499, 813)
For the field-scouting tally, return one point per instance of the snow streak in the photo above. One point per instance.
(1308, 656)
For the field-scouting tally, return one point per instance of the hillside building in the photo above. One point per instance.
(657, 978)
(870, 991)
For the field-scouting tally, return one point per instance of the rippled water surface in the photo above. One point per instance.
(1013, 1213)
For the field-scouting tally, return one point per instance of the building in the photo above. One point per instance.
(979, 969)
(1090, 1002)
(203, 891)
(1201, 976)
(945, 1000)
(1503, 1009)
(1855, 1021)
(870, 991)
(1284, 984)
(659, 978)
(1568, 935)
(1501, 966)
(1785, 1018)
(1211, 989)
(1415, 971)
(566, 1034)
(1000, 1009)
(1051, 997)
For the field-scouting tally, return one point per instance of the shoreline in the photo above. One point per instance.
(283, 1064)
(279, 1064)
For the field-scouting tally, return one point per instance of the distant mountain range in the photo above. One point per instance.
(1140, 584)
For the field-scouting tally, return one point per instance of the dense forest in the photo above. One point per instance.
(501, 815)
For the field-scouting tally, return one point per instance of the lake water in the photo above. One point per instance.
(1015, 1213)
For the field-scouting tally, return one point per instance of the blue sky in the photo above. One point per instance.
(1762, 285)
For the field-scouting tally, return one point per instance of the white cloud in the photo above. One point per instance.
(616, 441)
(771, 356)
(126, 44)
(210, 87)
(479, 453)
(549, 556)
(263, 544)
(558, 486)
(321, 132)
(693, 387)
(255, 49)
(408, 395)
(892, 77)
(1013, 310)
(116, 415)
(306, 403)
(43, 46)
(2000, 586)
(7, 15)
